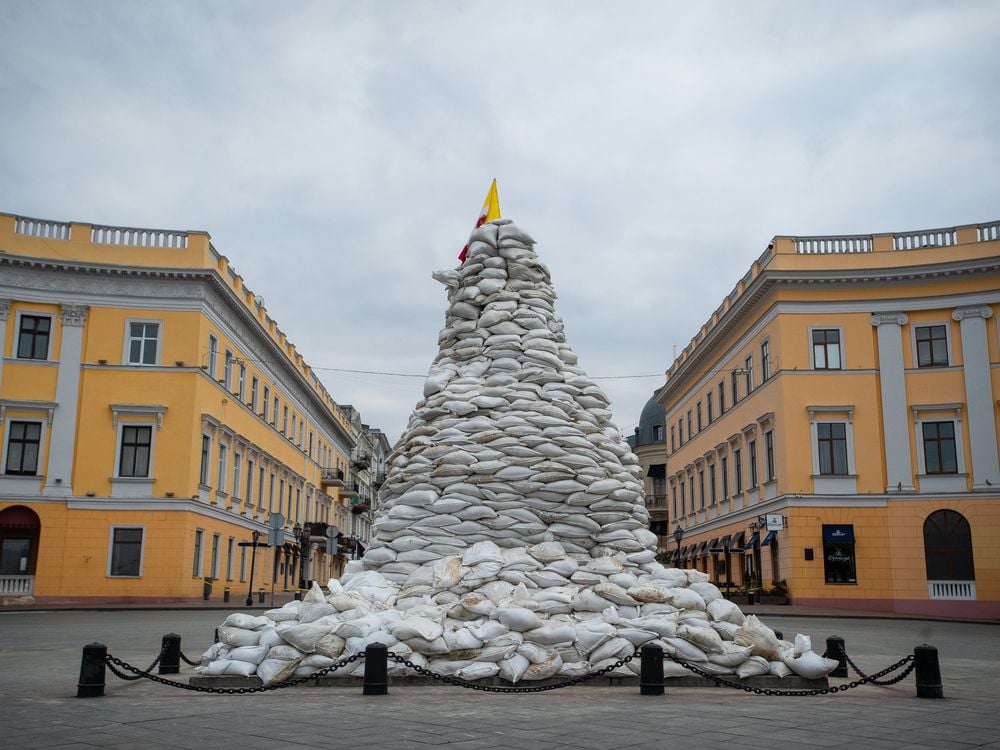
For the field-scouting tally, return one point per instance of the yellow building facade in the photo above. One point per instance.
(831, 431)
(153, 417)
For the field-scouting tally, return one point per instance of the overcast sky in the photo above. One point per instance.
(338, 152)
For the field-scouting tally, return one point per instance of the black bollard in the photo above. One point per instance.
(835, 650)
(925, 661)
(651, 670)
(216, 636)
(298, 596)
(170, 654)
(92, 671)
(260, 596)
(376, 670)
(225, 594)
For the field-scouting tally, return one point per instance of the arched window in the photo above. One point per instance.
(948, 547)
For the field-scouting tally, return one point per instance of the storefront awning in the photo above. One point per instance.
(753, 540)
(701, 549)
(838, 533)
(713, 546)
(771, 536)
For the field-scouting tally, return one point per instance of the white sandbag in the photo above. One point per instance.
(233, 636)
(478, 671)
(489, 630)
(217, 650)
(448, 666)
(725, 611)
(550, 634)
(706, 639)
(304, 637)
(547, 552)
(461, 640)
(803, 643)
(448, 571)
(708, 591)
(415, 627)
(725, 629)
(760, 638)
(330, 645)
(246, 622)
(752, 667)
(513, 668)
(673, 577)
(779, 668)
(589, 601)
(379, 556)
(649, 593)
(730, 656)
(683, 649)
(615, 648)
(315, 661)
(637, 636)
(684, 598)
(229, 667)
(478, 604)
(810, 665)
(534, 652)
(274, 671)
(695, 576)
(544, 669)
(312, 612)
(517, 618)
(252, 654)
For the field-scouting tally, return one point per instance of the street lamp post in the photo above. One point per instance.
(678, 535)
(302, 537)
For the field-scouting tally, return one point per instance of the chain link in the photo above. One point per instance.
(503, 689)
(192, 662)
(872, 680)
(113, 662)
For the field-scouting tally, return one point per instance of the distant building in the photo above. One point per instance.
(647, 442)
(833, 426)
(152, 417)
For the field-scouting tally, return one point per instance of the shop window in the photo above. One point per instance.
(831, 443)
(826, 354)
(932, 345)
(134, 452)
(125, 560)
(940, 454)
(142, 343)
(838, 554)
(23, 443)
(948, 547)
(33, 333)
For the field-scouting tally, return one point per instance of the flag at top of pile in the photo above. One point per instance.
(489, 212)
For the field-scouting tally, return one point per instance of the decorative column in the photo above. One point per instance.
(895, 425)
(978, 395)
(59, 473)
(4, 309)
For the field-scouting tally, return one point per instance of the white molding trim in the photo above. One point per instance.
(137, 410)
(48, 407)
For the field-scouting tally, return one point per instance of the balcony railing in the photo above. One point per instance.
(379, 479)
(134, 237)
(951, 589)
(656, 500)
(17, 585)
(333, 478)
(860, 243)
(49, 230)
(360, 504)
(360, 459)
(928, 238)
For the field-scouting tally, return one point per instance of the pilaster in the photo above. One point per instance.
(59, 472)
(895, 423)
(978, 395)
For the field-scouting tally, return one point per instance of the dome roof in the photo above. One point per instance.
(652, 416)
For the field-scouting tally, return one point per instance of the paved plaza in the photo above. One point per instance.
(40, 656)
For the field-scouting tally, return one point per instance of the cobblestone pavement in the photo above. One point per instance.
(40, 654)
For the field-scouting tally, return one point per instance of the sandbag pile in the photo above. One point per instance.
(512, 539)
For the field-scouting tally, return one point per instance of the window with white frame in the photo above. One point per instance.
(826, 352)
(230, 549)
(738, 471)
(710, 406)
(34, 333)
(284, 421)
(199, 552)
(274, 413)
(734, 382)
(142, 342)
(765, 360)
(831, 444)
(227, 371)
(237, 472)
(939, 447)
(748, 373)
(206, 457)
(752, 457)
(769, 455)
(241, 381)
(270, 496)
(292, 435)
(125, 552)
(243, 563)
(135, 445)
(223, 460)
(23, 447)
(267, 397)
(931, 343)
(724, 473)
(254, 385)
(250, 480)
(722, 397)
(213, 356)
(214, 571)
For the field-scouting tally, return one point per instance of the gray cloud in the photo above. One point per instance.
(338, 152)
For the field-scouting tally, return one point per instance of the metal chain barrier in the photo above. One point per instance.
(873, 680)
(192, 662)
(865, 680)
(114, 662)
(502, 689)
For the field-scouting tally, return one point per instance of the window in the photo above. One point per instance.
(698, 412)
(673, 491)
(690, 431)
(838, 554)
(33, 336)
(724, 471)
(673, 440)
(683, 500)
(311, 443)
(241, 381)
(133, 457)
(206, 452)
(230, 549)
(948, 547)
(250, 478)
(142, 344)
(237, 470)
(734, 378)
(752, 455)
(298, 497)
(260, 487)
(23, 441)
(737, 471)
(765, 360)
(270, 496)
(940, 456)
(831, 440)
(722, 397)
(227, 371)
(711, 483)
(826, 349)
(274, 414)
(769, 454)
(281, 498)
(223, 453)
(302, 425)
(214, 571)
(748, 373)
(243, 563)
(199, 551)
(267, 397)
(254, 384)
(293, 427)
(657, 433)
(701, 488)
(125, 560)
(932, 346)
(213, 355)
(284, 421)
(709, 399)
(680, 430)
